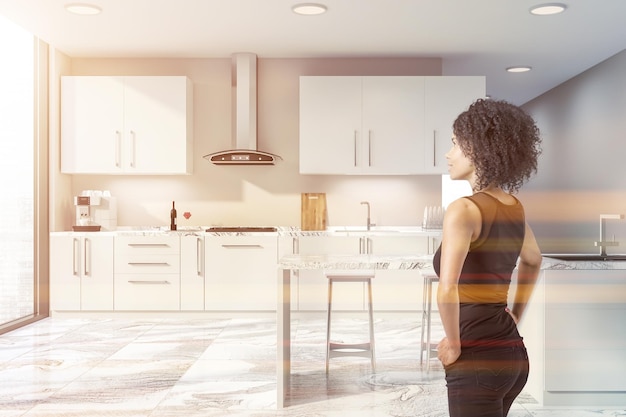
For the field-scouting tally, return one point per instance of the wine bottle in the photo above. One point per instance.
(173, 217)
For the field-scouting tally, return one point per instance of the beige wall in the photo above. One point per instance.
(245, 195)
(581, 172)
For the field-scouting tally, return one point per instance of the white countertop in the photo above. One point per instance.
(557, 264)
(356, 262)
(288, 231)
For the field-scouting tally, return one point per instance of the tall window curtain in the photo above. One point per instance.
(17, 205)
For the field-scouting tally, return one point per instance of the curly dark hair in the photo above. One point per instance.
(501, 140)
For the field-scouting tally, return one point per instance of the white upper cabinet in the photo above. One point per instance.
(392, 127)
(445, 99)
(126, 125)
(380, 125)
(330, 124)
(360, 125)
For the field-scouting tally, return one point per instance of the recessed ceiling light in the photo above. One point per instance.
(519, 69)
(309, 8)
(83, 8)
(547, 9)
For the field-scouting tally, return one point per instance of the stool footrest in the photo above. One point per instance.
(357, 346)
(350, 349)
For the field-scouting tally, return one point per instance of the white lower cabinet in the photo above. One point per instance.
(81, 273)
(241, 273)
(147, 273)
(192, 269)
(576, 339)
(175, 272)
(585, 333)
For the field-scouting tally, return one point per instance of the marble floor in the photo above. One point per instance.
(221, 366)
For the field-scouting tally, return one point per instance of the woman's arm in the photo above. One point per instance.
(528, 270)
(461, 226)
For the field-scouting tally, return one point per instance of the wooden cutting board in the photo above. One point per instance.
(313, 212)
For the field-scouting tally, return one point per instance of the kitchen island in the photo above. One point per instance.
(573, 329)
(575, 335)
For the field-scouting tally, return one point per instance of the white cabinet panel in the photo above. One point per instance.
(585, 336)
(393, 125)
(575, 337)
(81, 273)
(382, 125)
(241, 273)
(147, 292)
(149, 263)
(361, 125)
(147, 272)
(330, 125)
(147, 245)
(192, 269)
(92, 121)
(126, 125)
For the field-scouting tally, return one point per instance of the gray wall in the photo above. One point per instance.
(582, 170)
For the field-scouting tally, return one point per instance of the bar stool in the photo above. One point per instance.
(350, 349)
(426, 346)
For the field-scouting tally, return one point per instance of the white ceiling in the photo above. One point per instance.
(473, 37)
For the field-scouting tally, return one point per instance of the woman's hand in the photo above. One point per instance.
(447, 353)
(513, 316)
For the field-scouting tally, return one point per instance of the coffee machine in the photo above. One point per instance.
(84, 216)
(95, 210)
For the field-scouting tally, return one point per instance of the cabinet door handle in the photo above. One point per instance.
(295, 246)
(149, 263)
(132, 148)
(199, 256)
(148, 245)
(75, 257)
(369, 148)
(242, 246)
(118, 148)
(355, 147)
(87, 257)
(164, 282)
(369, 245)
(434, 148)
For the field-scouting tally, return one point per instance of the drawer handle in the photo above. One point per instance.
(148, 245)
(149, 263)
(241, 246)
(148, 282)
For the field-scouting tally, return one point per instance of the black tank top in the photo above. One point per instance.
(486, 275)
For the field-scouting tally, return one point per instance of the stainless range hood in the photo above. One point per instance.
(244, 127)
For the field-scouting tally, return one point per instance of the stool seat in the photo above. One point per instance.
(365, 349)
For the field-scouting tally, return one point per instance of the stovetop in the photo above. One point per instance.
(240, 229)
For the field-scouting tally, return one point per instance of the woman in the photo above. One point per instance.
(495, 148)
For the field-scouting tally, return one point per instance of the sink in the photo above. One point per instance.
(375, 230)
(362, 229)
(585, 257)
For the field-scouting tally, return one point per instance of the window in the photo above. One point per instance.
(17, 173)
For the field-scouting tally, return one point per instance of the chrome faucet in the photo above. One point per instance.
(603, 243)
(369, 223)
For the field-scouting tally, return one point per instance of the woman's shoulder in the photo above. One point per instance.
(464, 207)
